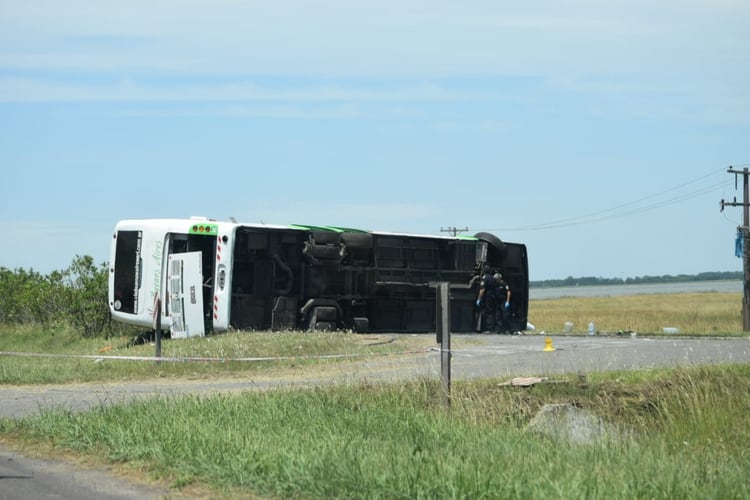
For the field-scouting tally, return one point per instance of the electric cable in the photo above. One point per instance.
(617, 212)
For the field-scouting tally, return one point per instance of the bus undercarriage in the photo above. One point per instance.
(326, 279)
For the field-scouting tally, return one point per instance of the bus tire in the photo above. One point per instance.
(357, 240)
(494, 243)
(492, 240)
(325, 237)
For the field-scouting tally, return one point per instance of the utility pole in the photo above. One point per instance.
(745, 230)
(454, 230)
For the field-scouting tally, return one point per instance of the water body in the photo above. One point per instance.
(723, 286)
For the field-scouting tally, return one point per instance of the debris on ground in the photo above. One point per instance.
(524, 381)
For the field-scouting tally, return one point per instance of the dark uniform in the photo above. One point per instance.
(503, 304)
(488, 303)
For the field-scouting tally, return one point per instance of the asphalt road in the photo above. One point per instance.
(473, 356)
(24, 478)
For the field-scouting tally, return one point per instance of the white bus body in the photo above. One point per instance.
(212, 276)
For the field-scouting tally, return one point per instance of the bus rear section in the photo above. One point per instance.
(169, 260)
(128, 300)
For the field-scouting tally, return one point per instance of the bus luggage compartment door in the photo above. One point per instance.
(186, 295)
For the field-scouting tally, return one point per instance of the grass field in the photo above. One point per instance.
(693, 313)
(681, 433)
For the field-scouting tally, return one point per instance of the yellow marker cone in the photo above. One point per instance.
(548, 345)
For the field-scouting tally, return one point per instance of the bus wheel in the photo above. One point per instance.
(494, 243)
(357, 240)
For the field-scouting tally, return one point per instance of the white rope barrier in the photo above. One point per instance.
(187, 359)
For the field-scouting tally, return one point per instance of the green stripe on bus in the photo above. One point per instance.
(335, 229)
(347, 229)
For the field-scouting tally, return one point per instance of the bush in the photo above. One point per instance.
(29, 297)
(87, 296)
(77, 296)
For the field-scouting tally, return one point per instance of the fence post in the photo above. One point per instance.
(443, 331)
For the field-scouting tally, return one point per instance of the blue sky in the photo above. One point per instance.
(598, 133)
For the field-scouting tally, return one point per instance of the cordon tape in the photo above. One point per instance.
(188, 359)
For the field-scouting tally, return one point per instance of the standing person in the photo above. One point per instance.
(487, 302)
(503, 303)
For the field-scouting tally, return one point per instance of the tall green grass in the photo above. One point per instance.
(684, 435)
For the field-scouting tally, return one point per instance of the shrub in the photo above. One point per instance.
(86, 290)
(76, 295)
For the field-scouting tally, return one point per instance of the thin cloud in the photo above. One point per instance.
(38, 89)
(283, 112)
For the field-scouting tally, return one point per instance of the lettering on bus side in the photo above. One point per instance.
(156, 281)
(156, 261)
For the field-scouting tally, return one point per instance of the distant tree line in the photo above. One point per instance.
(76, 296)
(666, 278)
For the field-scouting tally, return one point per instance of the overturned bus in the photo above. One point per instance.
(211, 276)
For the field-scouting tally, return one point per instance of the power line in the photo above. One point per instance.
(618, 212)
